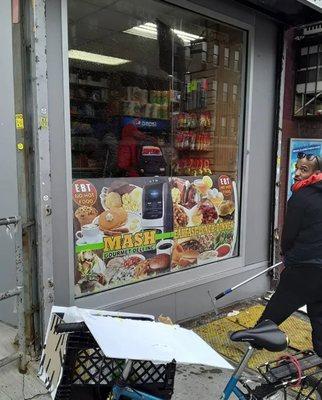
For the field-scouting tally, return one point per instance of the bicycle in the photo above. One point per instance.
(275, 377)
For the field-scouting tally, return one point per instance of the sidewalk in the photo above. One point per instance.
(191, 382)
(13, 385)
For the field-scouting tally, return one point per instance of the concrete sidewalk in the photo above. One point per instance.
(192, 382)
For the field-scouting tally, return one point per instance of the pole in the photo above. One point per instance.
(230, 290)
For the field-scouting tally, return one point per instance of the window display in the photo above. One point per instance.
(156, 136)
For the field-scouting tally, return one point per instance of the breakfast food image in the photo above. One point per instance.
(207, 257)
(184, 255)
(156, 264)
(180, 217)
(216, 198)
(90, 270)
(113, 200)
(122, 195)
(132, 261)
(197, 217)
(175, 193)
(223, 250)
(159, 262)
(184, 193)
(209, 212)
(132, 201)
(120, 270)
(195, 203)
(112, 218)
(226, 209)
(85, 215)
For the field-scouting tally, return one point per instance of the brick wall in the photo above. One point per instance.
(292, 127)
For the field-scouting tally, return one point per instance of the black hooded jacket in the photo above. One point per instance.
(302, 231)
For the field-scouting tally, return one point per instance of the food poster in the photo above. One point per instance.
(205, 220)
(129, 229)
(118, 224)
(307, 146)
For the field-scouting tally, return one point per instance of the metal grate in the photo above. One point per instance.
(216, 334)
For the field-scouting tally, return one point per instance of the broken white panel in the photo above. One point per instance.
(155, 341)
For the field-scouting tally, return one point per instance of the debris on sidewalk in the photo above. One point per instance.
(233, 313)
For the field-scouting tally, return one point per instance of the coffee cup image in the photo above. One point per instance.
(90, 233)
(165, 247)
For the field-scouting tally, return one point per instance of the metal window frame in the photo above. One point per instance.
(37, 108)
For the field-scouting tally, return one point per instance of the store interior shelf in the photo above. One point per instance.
(86, 169)
(190, 151)
(136, 117)
(87, 85)
(85, 100)
(87, 118)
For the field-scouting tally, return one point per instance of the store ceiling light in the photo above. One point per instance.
(149, 30)
(95, 58)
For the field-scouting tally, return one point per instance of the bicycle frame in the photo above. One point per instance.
(231, 387)
(120, 391)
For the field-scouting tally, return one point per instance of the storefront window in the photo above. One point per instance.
(155, 131)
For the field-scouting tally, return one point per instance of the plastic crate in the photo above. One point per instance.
(89, 375)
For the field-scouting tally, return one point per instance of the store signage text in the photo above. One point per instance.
(129, 241)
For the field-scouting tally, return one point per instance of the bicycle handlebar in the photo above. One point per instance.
(71, 327)
(67, 327)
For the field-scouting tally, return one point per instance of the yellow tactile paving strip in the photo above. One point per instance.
(217, 333)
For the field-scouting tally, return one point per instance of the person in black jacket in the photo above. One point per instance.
(301, 280)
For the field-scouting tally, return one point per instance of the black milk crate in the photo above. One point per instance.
(89, 375)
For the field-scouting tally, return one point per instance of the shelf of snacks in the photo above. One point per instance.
(86, 100)
(193, 120)
(87, 85)
(87, 78)
(88, 92)
(142, 103)
(86, 169)
(87, 118)
(193, 166)
(83, 163)
(192, 141)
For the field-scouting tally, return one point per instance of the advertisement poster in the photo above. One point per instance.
(308, 146)
(130, 229)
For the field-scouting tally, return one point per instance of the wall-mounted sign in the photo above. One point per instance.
(307, 146)
(130, 229)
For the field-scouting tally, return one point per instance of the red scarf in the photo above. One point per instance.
(307, 182)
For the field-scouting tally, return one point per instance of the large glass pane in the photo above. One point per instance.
(155, 100)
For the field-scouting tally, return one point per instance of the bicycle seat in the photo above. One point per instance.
(266, 335)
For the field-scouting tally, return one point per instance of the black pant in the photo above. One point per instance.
(298, 286)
